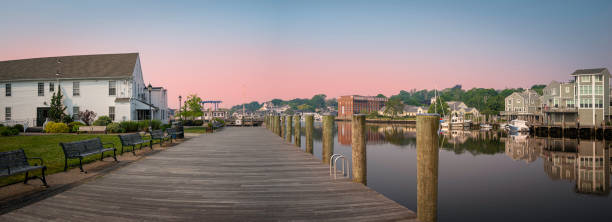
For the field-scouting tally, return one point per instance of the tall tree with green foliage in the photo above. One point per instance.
(193, 106)
(393, 107)
(57, 109)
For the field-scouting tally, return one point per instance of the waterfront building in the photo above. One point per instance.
(108, 84)
(407, 111)
(558, 104)
(523, 105)
(460, 109)
(269, 107)
(349, 105)
(209, 115)
(592, 96)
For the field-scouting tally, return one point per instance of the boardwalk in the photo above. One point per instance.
(237, 174)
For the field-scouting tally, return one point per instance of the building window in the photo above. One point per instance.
(75, 113)
(599, 90)
(112, 88)
(7, 88)
(569, 103)
(586, 103)
(598, 78)
(586, 90)
(585, 78)
(111, 112)
(599, 103)
(51, 87)
(76, 89)
(41, 89)
(567, 89)
(7, 113)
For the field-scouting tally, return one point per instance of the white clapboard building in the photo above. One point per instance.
(109, 84)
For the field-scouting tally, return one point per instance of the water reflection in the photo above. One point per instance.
(585, 163)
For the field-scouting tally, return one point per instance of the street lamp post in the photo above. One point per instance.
(180, 110)
(150, 88)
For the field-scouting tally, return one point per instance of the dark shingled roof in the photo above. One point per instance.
(80, 66)
(588, 71)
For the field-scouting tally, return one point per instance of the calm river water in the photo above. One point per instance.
(488, 176)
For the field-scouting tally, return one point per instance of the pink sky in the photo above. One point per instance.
(247, 51)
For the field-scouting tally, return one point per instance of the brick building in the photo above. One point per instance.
(349, 105)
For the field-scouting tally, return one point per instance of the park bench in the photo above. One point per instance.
(84, 148)
(16, 161)
(132, 140)
(172, 133)
(159, 136)
(92, 129)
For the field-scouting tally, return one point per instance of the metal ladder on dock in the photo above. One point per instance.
(333, 163)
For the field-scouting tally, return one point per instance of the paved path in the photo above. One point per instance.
(237, 174)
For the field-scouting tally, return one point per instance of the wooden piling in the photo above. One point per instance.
(309, 119)
(277, 126)
(282, 126)
(297, 131)
(427, 167)
(328, 138)
(288, 127)
(358, 141)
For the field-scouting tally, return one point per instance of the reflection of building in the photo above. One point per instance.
(559, 157)
(349, 105)
(593, 168)
(587, 163)
(345, 134)
(519, 147)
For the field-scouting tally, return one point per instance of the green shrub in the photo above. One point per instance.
(165, 126)
(129, 126)
(156, 124)
(114, 128)
(210, 125)
(19, 127)
(8, 131)
(74, 126)
(143, 125)
(102, 121)
(53, 127)
(220, 121)
(67, 119)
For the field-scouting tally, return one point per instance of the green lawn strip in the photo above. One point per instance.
(47, 147)
(198, 129)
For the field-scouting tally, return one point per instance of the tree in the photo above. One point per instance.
(317, 101)
(87, 116)
(439, 107)
(538, 88)
(57, 109)
(193, 106)
(305, 107)
(393, 107)
(381, 96)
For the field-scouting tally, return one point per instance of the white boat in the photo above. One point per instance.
(485, 126)
(518, 126)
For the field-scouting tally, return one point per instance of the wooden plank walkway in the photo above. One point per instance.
(238, 174)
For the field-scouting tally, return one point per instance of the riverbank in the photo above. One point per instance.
(402, 121)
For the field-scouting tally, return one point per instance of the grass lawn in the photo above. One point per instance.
(47, 147)
(199, 129)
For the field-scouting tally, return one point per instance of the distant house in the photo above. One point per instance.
(523, 105)
(408, 110)
(269, 107)
(458, 108)
(350, 105)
